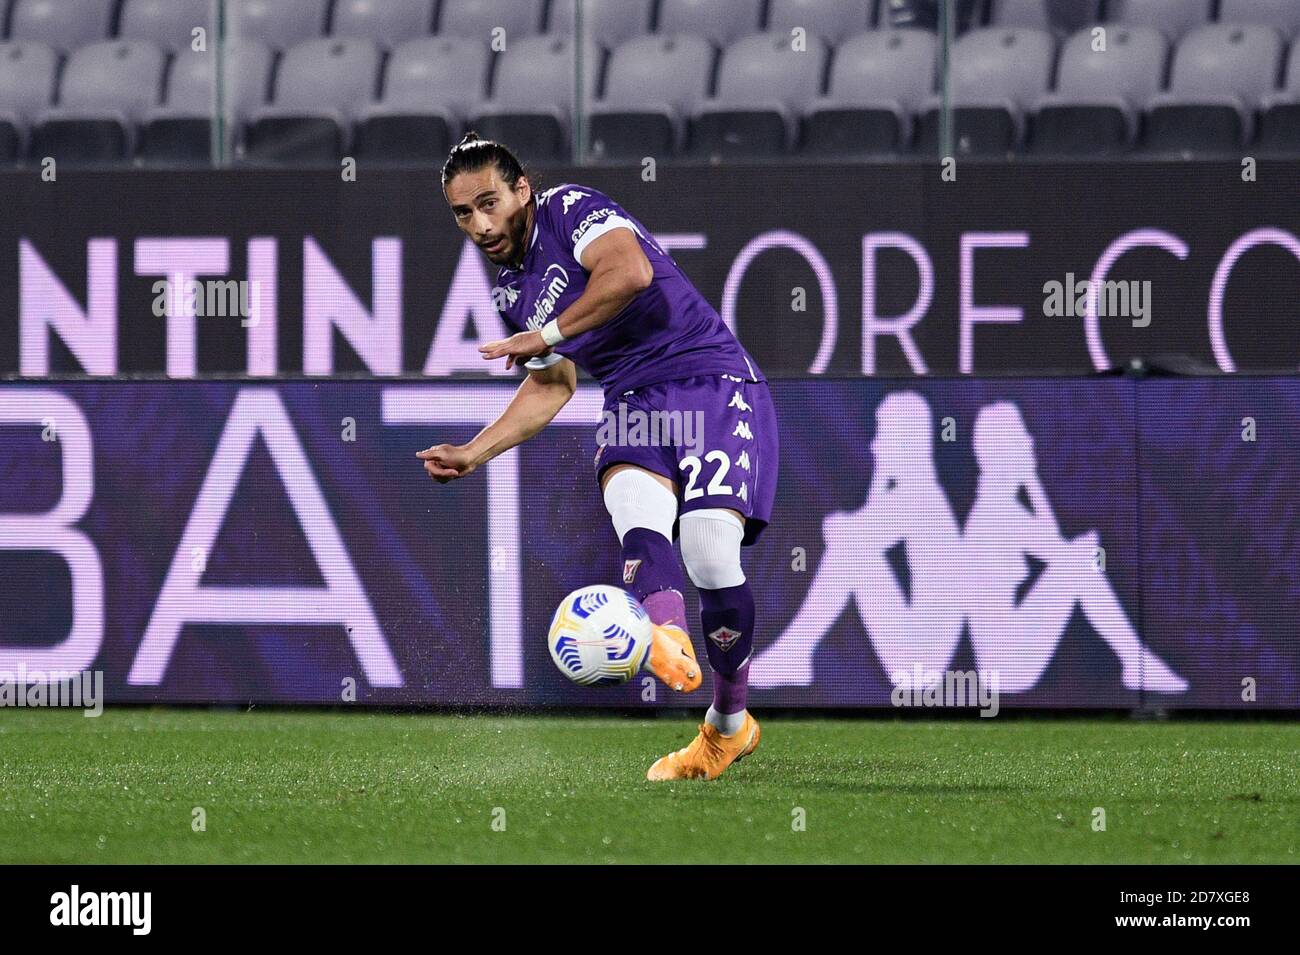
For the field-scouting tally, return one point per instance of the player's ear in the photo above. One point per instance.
(524, 188)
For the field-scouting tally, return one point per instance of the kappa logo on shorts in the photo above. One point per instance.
(724, 637)
(630, 567)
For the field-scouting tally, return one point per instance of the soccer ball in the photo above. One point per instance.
(599, 636)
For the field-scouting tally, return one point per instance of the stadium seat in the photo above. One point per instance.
(532, 99)
(105, 91)
(387, 22)
(1057, 16)
(478, 18)
(167, 23)
(764, 86)
(178, 133)
(61, 24)
(430, 84)
(997, 75)
(1279, 126)
(28, 76)
(320, 88)
(832, 20)
(276, 23)
(878, 80)
(1221, 74)
(1281, 14)
(1172, 17)
(718, 21)
(607, 22)
(1099, 95)
(651, 84)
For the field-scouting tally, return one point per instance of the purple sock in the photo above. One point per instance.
(652, 574)
(728, 619)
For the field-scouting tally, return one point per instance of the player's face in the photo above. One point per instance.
(490, 212)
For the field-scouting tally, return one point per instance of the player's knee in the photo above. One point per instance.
(711, 539)
(635, 499)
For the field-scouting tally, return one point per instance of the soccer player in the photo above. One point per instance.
(585, 284)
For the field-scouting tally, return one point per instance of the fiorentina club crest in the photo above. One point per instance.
(724, 637)
(630, 567)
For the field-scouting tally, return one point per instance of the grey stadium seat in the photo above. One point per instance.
(277, 23)
(1058, 16)
(1221, 74)
(105, 91)
(178, 133)
(168, 23)
(878, 81)
(478, 18)
(1282, 14)
(28, 76)
(608, 22)
(651, 84)
(1279, 127)
(532, 97)
(1100, 94)
(832, 20)
(1173, 17)
(764, 86)
(61, 24)
(718, 21)
(430, 84)
(997, 76)
(320, 87)
(387, 22)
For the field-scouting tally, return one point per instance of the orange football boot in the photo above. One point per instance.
(672, 658)
(708, 754)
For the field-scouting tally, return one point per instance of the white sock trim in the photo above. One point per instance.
(728, 724)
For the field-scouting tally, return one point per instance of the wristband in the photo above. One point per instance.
(551, 333)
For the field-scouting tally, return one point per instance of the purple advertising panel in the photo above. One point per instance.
(1106, 542)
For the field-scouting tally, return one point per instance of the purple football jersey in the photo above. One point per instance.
(668, 331)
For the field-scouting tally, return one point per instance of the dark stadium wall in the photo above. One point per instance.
(829, 271)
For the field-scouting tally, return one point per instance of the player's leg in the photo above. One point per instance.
(643, 508)
(728, 487)
(711, 551)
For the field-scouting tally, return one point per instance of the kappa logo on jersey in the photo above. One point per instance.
(572, 196)
(503, 298)
(742, 431)
(724, 637)
(630, 567)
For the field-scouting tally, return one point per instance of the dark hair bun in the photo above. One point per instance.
(469, 137)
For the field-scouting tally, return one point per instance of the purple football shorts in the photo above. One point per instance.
(714, 435)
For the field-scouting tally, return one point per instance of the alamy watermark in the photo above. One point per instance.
(1109, 299)
(632, 427)
(209, 298)
(82, 689)
(951, 688)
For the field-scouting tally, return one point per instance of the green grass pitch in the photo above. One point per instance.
(284, 786)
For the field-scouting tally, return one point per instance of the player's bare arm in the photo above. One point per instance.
(537, 401)
(619, 272)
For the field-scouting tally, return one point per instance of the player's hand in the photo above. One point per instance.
(516, 349)
(446, 462)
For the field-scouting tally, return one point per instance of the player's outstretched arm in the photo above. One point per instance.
(539, 399)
